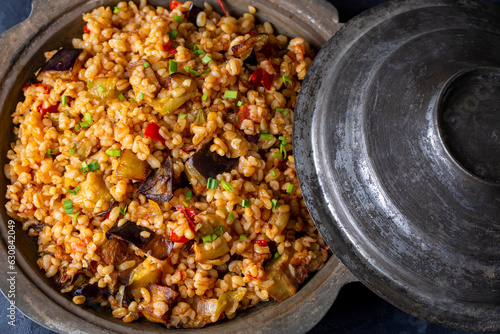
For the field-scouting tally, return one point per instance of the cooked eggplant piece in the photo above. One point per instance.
(171, 99)
(192, 13)
(154, 245)
(159, 247)
(158, 293)
(91, 191)
(103, 88)
(204, 164)
(92, 292)
(228, 302)
(280, 220)
(131, 233)
(145, 80)
(158, 186)
(131, 167)
(144, 274)
(211, 250)
(113, 251)
(283, 284)
(63, 60)
(246, 49)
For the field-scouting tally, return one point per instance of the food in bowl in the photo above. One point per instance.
(153, 161)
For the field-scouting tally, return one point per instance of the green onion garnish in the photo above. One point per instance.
(206, 70)
(94, 165)
(64, 100)
(239, 104)
(146, 65)
(172, 33)
(183, 115)
(204, 97)
(289, 188)
(207, 238)
(198, 51)
(275, 203)
(89, 83)
(231, 216)
(75, 217)
(189, 195)
(231, 94)
(276, 255)
(141, 96)
(212, 183)
(68, 206)
(272, 172)
(100, 89)
(266, 136)
(242, 236)
(245, 203)
(172, 66)
(87, 117)
(50, 152)
(124, 210)
(74, 191)
(207, 59)
(85, 167)
(72, 151)
(116, 10)
(198, 226)
(114, 153)
(192, 71)
(186, 204)
(286, 112)
(121, 97)
(282, 138)
(226, 185)
(280, 109)
(84, 124)
(287, 80)
(177, 18)
(277, 155)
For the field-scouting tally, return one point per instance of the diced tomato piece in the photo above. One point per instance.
(175, 238)
(169, 49)
(174, 4)
(86, 29)
(50, 109)
(256, 77)
(189, 214)
(261, 243)
(267, 80)
(153, 131)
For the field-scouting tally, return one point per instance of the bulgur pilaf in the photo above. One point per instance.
(154, 163)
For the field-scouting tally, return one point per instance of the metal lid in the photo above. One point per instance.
(397, 148)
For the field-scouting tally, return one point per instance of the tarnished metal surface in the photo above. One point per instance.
(389, 198)
(51, 25)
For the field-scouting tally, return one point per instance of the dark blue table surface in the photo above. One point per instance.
(356, 310)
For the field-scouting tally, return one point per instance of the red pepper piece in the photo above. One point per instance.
(224, 10)
(243, 114)
(175, 238)
(169, 49)
(256, 77)
(261, 243)
(174, 4)
(189, 215)
(267, 80)
(50, 109)
(153, 131)
(86, 29)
